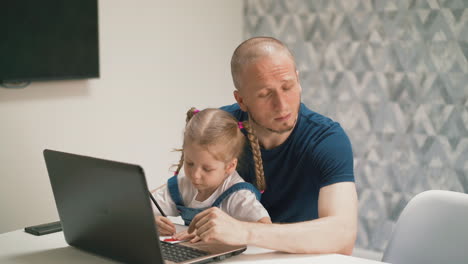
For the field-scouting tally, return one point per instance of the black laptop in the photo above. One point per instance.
(105, 209)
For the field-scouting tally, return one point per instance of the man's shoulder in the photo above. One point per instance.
(311, 117)
(230, 108)
(236, 111)
(315, 127)
(310, 120)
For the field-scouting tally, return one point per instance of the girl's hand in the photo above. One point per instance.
(165, 226)
(184, 235)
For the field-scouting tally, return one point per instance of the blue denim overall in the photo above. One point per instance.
(189, 213)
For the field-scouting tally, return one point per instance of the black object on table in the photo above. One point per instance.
(43, 229)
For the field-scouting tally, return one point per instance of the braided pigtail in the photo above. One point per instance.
(190, 113)
(257, 156)
(181, 163)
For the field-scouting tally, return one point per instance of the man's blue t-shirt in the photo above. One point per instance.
(316, 154)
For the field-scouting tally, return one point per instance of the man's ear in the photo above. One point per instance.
(231, 166)
(240, 100)
(297, 76)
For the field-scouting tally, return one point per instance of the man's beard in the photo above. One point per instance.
(288, 129)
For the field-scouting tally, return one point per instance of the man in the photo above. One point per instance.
(310, 195)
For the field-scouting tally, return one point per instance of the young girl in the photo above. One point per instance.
(213, 141)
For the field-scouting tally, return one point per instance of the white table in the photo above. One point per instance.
(20, 247)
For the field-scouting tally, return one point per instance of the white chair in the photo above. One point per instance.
(433, 228)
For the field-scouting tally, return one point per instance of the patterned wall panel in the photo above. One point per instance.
(395, 75)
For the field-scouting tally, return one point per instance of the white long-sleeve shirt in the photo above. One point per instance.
(242, 205)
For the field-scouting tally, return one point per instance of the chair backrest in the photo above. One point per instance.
(433, 228)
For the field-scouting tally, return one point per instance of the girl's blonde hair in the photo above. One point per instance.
(213, 126)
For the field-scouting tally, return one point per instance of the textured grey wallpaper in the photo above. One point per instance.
(395, 75)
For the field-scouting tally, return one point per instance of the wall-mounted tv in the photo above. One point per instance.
(48, 40)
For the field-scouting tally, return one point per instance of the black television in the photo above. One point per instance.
(48, 40)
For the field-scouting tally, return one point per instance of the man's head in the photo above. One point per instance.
(267, 84)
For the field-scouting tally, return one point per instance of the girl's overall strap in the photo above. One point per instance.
(173, 187)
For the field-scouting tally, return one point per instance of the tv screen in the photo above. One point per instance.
(48, 40)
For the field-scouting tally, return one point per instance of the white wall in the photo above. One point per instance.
(157, 58)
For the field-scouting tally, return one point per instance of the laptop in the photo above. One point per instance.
(105, 209)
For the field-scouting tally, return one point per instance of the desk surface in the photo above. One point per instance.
(20, 247)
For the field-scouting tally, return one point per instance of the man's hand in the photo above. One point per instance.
(184, 235)
(214, 225)
(165, 226)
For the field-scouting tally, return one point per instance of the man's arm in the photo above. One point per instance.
(334, 231)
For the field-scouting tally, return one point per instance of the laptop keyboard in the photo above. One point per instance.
(179, 253)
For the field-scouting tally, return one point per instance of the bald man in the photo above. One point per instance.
(308, 161)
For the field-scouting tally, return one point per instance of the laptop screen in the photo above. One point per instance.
(105, 209)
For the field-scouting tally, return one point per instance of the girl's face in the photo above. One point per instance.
(204, 171)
